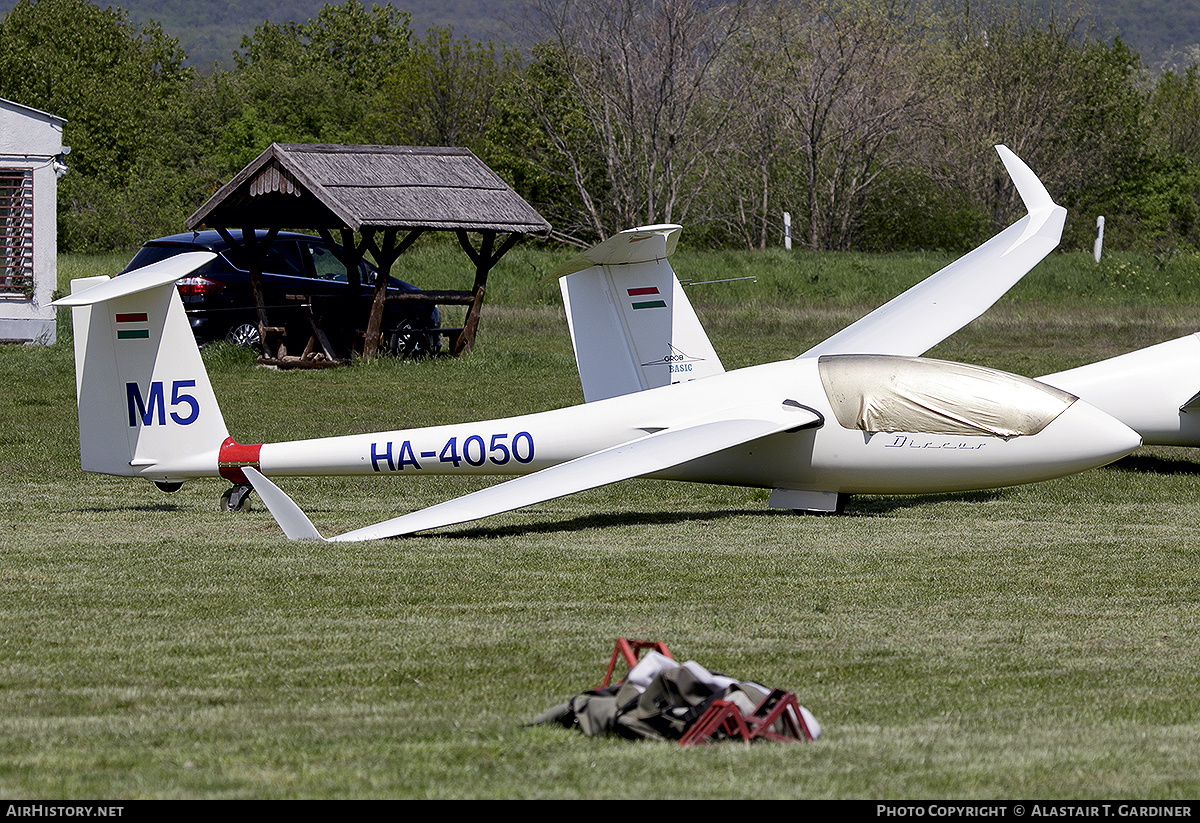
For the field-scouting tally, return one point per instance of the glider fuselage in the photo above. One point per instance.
(825, 456)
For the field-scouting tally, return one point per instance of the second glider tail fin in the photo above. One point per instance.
(632, 326)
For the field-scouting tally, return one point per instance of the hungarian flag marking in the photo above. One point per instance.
(124, 330)
(646, 291)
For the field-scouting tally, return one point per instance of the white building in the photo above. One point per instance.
(31, 161)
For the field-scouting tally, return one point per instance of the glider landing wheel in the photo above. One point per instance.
(236, 499)
(168, 487)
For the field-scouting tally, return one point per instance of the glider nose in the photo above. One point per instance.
(1101, 437)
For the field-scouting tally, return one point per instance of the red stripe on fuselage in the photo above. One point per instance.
(233, 457)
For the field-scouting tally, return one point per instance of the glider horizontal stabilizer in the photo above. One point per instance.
(943, 303)
(645, 455)
(139, 280)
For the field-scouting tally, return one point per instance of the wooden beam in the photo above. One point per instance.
(254, 257)
(436, 297)
(350, 254)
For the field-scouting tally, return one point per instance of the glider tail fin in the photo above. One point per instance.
(632, 326)
(146, 407)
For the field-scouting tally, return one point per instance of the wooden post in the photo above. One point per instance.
(385, 255)
(254, 257)
(483, 259)
(350, 256)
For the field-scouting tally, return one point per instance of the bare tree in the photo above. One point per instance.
(640, 76)
(749, 194)
(1035, 80)
(849, 81)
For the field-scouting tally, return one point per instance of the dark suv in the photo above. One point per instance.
(301, 275)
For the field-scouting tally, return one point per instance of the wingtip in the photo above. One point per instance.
(1033, 192)
(293, 521)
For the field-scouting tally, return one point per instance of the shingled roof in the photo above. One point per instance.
(356, 187)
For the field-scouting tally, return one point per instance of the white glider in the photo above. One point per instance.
(859, 413)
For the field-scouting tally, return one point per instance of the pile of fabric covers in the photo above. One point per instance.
(660, 699)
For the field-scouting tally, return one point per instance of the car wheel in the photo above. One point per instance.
(407, 342)
(245, 334)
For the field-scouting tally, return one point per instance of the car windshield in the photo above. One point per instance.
(281, 258)
(325, 264)
(301, 258)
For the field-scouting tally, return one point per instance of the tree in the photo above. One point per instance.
(746, 199)
(1063, 101)
(1153, 204)
(314, 81)
(1173, 113)
(636, 103)
(850, 84)
(120, 89)
(444, 93)
(362, 47)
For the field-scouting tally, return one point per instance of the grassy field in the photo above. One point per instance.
(1033, 642)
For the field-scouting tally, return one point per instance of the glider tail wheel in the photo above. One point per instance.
(236, 498)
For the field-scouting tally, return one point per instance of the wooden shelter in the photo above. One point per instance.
(378, 199)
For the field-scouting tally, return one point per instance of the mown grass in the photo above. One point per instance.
(1032, 642)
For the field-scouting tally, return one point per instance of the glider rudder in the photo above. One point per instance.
(632, 327)
(146, 406)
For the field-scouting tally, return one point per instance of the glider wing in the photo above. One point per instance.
(944, 302)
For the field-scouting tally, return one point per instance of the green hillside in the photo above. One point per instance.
(1153, 27)
(210, 30)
